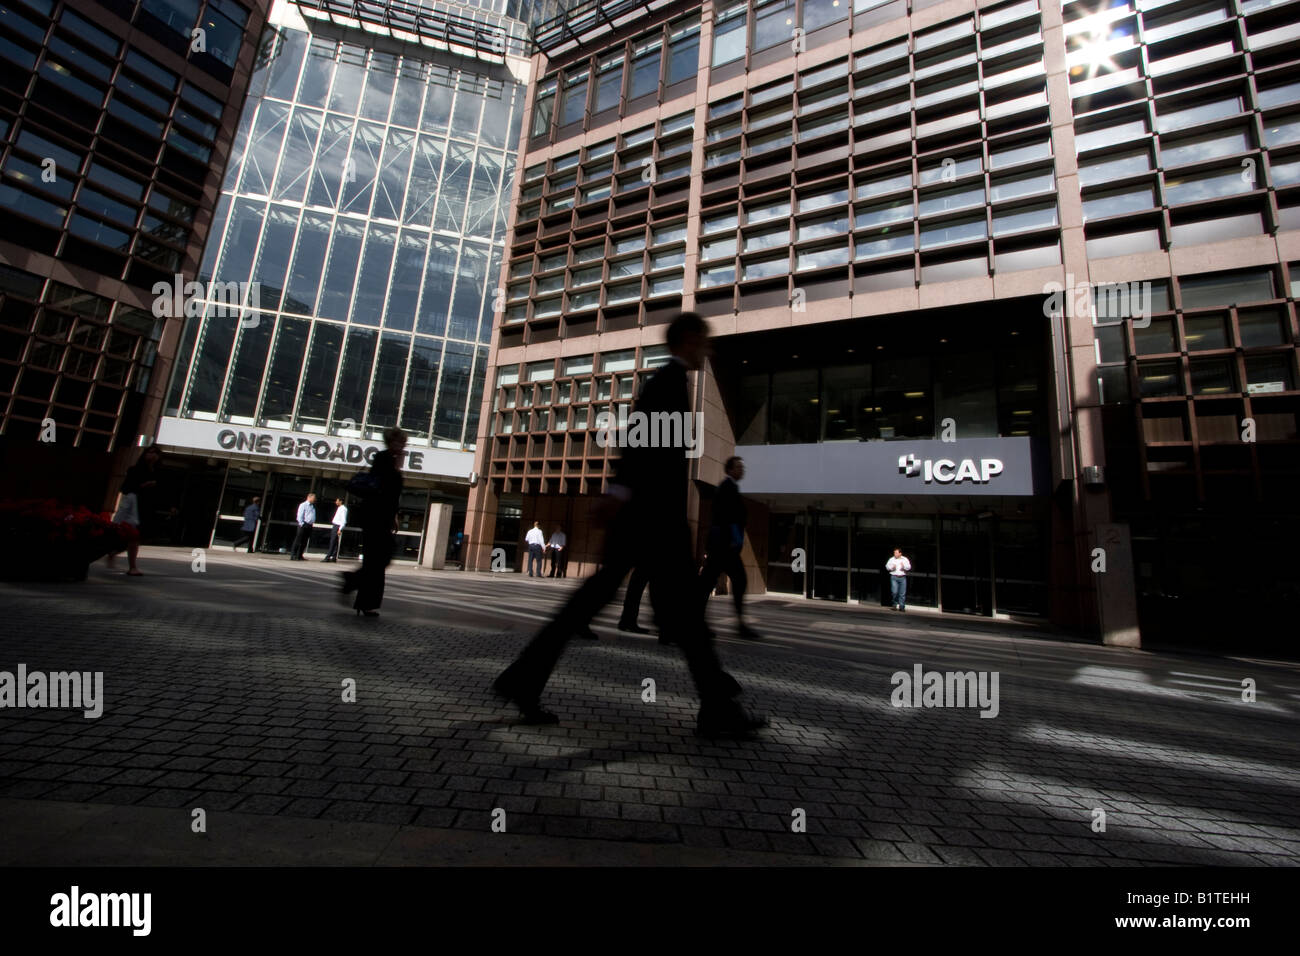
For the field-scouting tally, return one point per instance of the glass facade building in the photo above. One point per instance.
(115, 120)
(363, 205)
(1071, 224)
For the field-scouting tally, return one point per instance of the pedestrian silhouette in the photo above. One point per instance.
(648, 498)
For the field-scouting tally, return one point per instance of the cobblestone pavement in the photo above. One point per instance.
(223, 690)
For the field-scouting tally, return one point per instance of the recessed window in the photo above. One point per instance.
(725, 221)
(586, 276)
(765, 268)
(1154, 339)
(718, 248)
(823, 257)
(821, 228)
(718, 275)
(1119, 166)
(623, 268)
(883, 214)
(620, 361)
(762, 213)
(1024, 218)
(669, 234)
(1002, 155)
(632, 243)
(1203, 332)
(1213, 377)
(1226, 288)
(1117, 202)
(1159, 379)
(948, 170)
(953, 230)
(870, 248)
(947, 200)
(821, 200)
(878, 185)
(1271, 373)
(1211, 185)
(1261, 327)
(1172, 116)
(767, 239)
(577, 365)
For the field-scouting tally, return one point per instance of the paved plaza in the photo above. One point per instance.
(224, 690)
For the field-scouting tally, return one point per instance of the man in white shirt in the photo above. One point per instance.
(337, 524)
(306, 518)
(898, 566)
(555, 549)
(536, 542)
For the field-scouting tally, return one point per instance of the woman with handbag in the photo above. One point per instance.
(380, 492)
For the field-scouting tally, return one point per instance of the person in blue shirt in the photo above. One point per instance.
(248, 530)
(306, 518)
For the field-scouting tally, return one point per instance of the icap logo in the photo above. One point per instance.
(946, 471)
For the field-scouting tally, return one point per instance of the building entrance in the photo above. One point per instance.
(979, 563)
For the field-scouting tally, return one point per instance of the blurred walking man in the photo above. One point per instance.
(649, 528)
(726, 539)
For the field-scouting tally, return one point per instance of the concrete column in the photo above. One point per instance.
(435, 537)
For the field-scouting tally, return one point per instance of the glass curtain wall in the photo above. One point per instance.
(365, 204)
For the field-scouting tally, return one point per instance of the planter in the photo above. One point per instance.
(46, 541)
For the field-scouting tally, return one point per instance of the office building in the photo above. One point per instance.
(115, 121)
(1006, 284)
(365, 206)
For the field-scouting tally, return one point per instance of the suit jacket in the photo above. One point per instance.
(658, 478)
(728, 525)
(380, 508)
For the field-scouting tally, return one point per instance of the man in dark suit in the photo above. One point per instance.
(726, 539)
(649, 497)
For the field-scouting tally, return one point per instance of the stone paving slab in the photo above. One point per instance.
(224, 691)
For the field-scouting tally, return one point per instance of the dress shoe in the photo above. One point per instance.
(588, 633)
(747, 633)
(728, 720)
(530, 710)
(360, 612)
(632, 628)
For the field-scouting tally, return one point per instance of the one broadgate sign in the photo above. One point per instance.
(285, 446)
(968, 466)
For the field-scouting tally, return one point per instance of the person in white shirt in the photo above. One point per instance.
(337, 524)
(306, 518)
(536, 542)
(555, 549)
(898, 566)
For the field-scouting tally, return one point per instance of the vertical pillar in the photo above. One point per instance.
(436, 535)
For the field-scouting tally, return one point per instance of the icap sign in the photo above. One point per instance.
(946, 471)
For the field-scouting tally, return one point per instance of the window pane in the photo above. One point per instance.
(645, 69)
(1205, 332)
(282, 375)
(421, 386)
(355, 375)
(683, 53)
(1159, 379)
(336, 294)
(388, 378)
(318, 377)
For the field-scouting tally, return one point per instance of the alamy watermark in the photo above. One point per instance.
(652, 430)
(178, 298)
(923, 688)
(80, 690)
(1111, 300)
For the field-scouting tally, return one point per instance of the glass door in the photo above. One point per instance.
(830, 556)
(242, 485)
(967, 556)
(874, 540)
